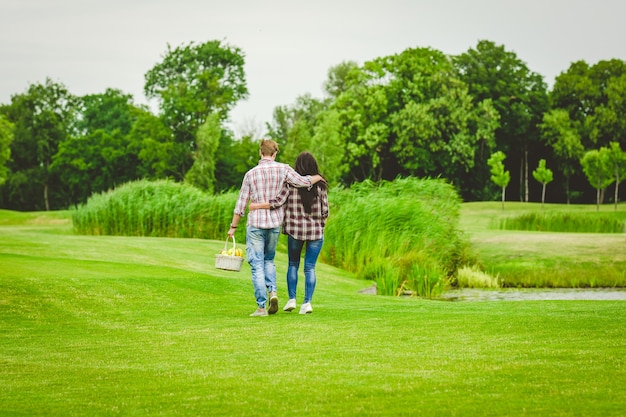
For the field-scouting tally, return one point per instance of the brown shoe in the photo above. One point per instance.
(260, 312)
(273, 303)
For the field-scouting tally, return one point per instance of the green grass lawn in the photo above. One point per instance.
(111, 326)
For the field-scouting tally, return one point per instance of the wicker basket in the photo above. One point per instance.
(229, 262)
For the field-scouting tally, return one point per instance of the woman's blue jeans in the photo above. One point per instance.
(261, 250)
(294, 247)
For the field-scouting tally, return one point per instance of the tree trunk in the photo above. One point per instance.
(567, 188)
(598, 198)
(521, 179)
(45, 195)
(45, 186)
(543, 195)
(526, 173)
(616, 191)
(503, 191)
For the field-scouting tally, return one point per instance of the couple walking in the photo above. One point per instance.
(297, 200)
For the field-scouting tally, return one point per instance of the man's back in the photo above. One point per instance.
(263, 183)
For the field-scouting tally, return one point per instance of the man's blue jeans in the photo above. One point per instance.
(260, 250)
(313, 248)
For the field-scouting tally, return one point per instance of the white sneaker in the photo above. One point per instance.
(306, 308)
(291, 304)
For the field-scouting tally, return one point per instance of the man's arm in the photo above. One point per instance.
(240, 206)
(276, 202)
(297, 180)
(233, 225)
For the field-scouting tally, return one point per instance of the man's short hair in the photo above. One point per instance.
(268, 147)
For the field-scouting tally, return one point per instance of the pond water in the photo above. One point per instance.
(511, 294)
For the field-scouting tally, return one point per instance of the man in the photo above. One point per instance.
(260, 184)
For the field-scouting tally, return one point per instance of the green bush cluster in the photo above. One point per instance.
(565, 222)
(156, 208)
(403, 234)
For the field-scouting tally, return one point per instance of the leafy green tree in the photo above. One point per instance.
(596, 166)
(544, 176)
(616, 159)
(293, 127)
(94, 163)
(337, 81)
(328, 147)
(202, 173)
(153, 143)
(191, 82)
(499, 175)
(518, 94)
(6, 137)
(559, 133)
(239, 156)
(109, 111)
(594, 97)
(101, 153)
(406, 114)
(234, 158)
(43, 117)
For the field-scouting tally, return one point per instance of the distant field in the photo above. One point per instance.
(545, 259)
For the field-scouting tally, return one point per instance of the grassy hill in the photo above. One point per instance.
(107, 326)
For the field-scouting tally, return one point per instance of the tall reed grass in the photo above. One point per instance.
(591, 222)
(403, 234)
(157, 208)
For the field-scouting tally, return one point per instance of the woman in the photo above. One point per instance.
(306, 211)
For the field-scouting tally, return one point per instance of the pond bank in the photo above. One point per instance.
(526, 294)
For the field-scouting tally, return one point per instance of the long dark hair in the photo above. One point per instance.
(307, 165)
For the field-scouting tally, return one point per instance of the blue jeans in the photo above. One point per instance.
(313, 248)
(260, 250)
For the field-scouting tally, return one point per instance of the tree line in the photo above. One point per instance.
(416, 113)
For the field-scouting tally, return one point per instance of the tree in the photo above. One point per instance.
(6, 137)
(594, 97)
(558, 132)
(498, 175)
(234, 158)
(519, 96)
(43, 117)
(337, 81)
(104, 149)
(154, 144)
(598, 171)
(544, 176)
(191, 82)
(616, 159)
(329, 148)
(202, 173)
(406, 114)
(109, 111)
(293, 126)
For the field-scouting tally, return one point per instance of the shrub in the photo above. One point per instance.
(402, 234)
(472, 277)
(565, 222)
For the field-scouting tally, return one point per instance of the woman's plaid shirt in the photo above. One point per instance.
(299, 224)
(261, 184)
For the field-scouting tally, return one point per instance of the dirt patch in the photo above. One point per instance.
(44, 220)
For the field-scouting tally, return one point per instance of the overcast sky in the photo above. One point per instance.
(289, 45)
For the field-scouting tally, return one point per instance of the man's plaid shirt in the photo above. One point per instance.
(299, 224)
(261, 184)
